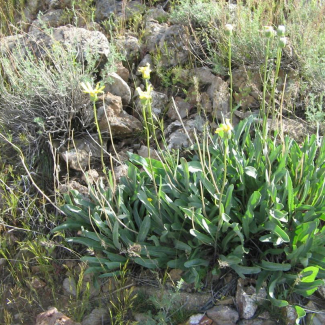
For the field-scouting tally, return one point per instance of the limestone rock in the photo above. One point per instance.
(247, 85)
(223, 315)
(40, 42)
(257, 321)
(118, 87)
(52, 18)
(73, 185)
(69, 286)
(58, 4)
(118, 121)
(54, 317)
(76, 159)
(143, 152)
(182, 106)
(129, 46)
(247, 299)
(97, 317)
(152, 35)
(219, 94)
(106, 8)
(173, 47)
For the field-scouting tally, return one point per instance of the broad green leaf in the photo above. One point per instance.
(271, 266)
(271, 288)
(242, 270)
(147, 263)
(251, 171)
(116, 235)
(144, 229)
(289, 187)
(272, 226)
(196, 262)
(85, 241)
(228, 198)
(300, 314)
(201, 237)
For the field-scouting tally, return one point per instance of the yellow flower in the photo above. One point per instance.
(224, 128)
(149, 199)
(88, 89)
(145, 71)
(144, 95)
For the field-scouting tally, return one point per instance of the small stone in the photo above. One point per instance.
(98, 316)
(290, 315)
(223, 315)
(76, 159)
(54, 317)
(247, 299)
(37, 283)
(143, 152)
(69, 286)
(119, 87)
(91, 176)
(182, 106)
(175, 274)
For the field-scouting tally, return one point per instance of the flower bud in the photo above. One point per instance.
(281, 31)
(228, 29)
(268, 31)
(282, 42)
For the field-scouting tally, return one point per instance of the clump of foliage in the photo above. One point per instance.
(242, 202)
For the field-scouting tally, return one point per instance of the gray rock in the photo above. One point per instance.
(257, 321)
(76, 159)
(290, 315)
(247, 85)
(31, 9)
(218, 92)
(106, 8)
(143, 152)
(247, 299)
(52, 18)
(69, 286)
(315, 314)
(116, 120)
(54, 317)
(129, 46)
(153, 33)
(173, 47)
(118, 87)
(58, 4)
(158, 14)
(120, 171)
(158, 102)
(223, 315)
(182, 106)
(73, 185)
(204, 75)
(97, 317)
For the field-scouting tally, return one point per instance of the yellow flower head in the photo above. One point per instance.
(149, 199)
(144, 95)
(88, 89)
(145, 71)
(224, 129)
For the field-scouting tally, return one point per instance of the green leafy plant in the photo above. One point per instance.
(263, 219)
